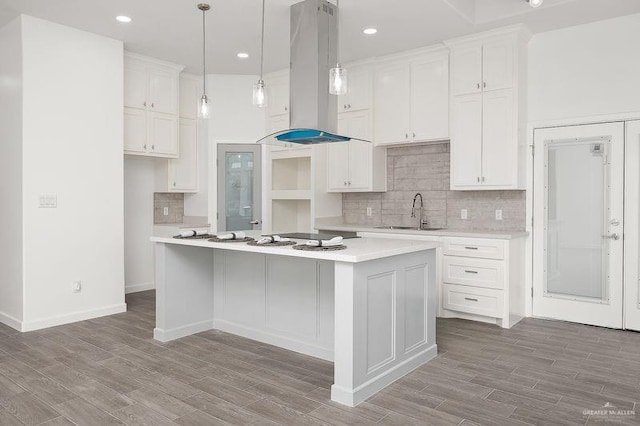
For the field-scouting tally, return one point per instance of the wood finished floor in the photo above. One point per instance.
(110, 371)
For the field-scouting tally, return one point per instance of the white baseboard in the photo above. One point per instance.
(135, 288)
(73, 317)
(10, 321)
(176, 333)
(274, 339)
(354, 397)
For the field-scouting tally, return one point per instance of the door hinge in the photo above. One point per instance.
(217, 215)
(533, 150)
(532, 292)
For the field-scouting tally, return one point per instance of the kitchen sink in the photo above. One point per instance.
(408, 228)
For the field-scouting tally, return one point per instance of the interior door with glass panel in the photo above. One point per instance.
(239, 187)
(578, 226)
(632, 227)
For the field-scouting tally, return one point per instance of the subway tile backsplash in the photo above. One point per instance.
(425, 169)
(174, 202)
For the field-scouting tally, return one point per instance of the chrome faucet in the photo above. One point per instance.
(421, 223)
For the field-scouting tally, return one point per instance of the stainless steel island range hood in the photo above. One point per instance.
(313, 110)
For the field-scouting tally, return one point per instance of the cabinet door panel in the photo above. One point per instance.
(466, 64)
(189, 98)
(278, 96)
(163, 134)
(163, 91)
(135, 130)
(498, 64)
(466, 141)
(359, 96)
(499, 140)
(392, 97)
(135, 86)
(360, 163)
(183, 172)
(338, 160)
(430, 99)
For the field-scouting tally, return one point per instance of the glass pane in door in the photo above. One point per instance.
(577, 216)
(239, 190)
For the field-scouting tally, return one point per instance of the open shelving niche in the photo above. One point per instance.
(296, 190)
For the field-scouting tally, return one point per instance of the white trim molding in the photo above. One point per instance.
(73, 317)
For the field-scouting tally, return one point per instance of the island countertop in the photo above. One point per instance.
(358, 249)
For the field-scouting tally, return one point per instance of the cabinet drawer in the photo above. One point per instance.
(478, 301)
(474, 247)
(475, 272)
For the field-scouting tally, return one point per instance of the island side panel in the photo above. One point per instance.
(281, 300)
(184, 291)
(385, 314)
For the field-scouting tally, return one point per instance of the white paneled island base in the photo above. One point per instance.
(370, 308)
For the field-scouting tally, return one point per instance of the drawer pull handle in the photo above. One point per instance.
(470, 299)
(471, 248)
(470, 272)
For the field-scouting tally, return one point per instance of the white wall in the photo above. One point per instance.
(585, 71)
(72, 147)
(11, 174)
(139, 186)
(233, 119)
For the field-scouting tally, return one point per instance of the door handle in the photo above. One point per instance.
(255, 222)
(470, 299)
(470, 272)
(612, 236)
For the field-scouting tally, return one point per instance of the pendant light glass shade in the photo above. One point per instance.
(338, 81)
(259, 91)
(203, 107)
(259, 94)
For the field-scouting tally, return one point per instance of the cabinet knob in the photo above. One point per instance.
(174, 184)
(478, 179)
(349, 182)
(345, 106)
(349, 106)
(484, 84)
(478, 85)
(345, 183)
(482, 179)
(144, 103)
(286, 108)
(153, 147)
(414, 134)
(406, 135)
(145, 146)
(153, 105)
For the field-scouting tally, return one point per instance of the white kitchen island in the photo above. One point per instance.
(370, 308)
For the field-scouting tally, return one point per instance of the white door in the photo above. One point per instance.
(499, 139)
(466, 141)
(430, 98)
(578, 211)
(163, 134)
(183, 171)
(392, 96)
(466, 65)
(632, 227)
(497, 65)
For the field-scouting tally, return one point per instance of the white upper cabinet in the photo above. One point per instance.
(277, 94)
(151, 101)
(359, 96)
(488, 119)
(411, 99)
(183, 172)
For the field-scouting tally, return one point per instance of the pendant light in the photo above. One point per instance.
(535, 3)
(338, 79)
(259, 92)
(203, 107)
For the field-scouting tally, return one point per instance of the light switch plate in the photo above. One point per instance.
(77, 286)
(498, 214)
(48, 201)
(165, 211)
(464, 215)
(369, 211)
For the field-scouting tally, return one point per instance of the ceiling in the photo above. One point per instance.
(171, 29)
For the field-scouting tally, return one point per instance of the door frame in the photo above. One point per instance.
(631, 307)
(220, 182)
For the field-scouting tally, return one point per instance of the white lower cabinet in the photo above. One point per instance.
(480, 279)
(483, 279)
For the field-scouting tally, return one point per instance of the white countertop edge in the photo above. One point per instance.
(502, 235)
(358, 250)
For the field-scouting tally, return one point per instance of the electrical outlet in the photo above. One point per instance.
(464, 215)
(165, 211)
(369, 211)
(498, 214)
(77, 286)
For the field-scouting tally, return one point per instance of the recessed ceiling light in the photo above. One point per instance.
(370, 31)
(123, 19)
(535, 3)
(243, 55)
